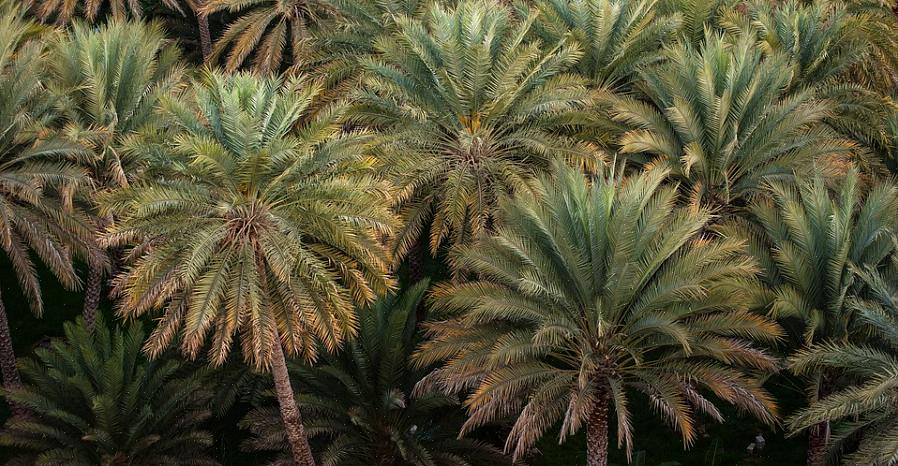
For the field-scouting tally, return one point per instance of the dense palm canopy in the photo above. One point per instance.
(64, 11)
(94, 398)
(719, 116)
(361, 401)
(468, 110)
(268, 35)
(593, 290)
(246, 237)
(865, 409)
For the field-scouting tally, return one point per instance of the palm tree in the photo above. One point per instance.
(361, 400)
(617, 37)
(720, 117)
(808, 241)
(270, 229)
(468, 111)
(37, 220)
(94, 399)
(865, 409)
(591, 290)
(108, 81)
(274, 32)
(64, 11)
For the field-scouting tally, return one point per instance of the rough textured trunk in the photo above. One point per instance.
(817, 440)
(205, 36)
(296, 435)
(8, 367)
(92, 293)
(597, 431)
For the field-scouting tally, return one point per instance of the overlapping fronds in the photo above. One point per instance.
(37, 178)
(270, 228)
(720, 117)
(600, 287)
(268, 35)
(810, 239)
(64, 11)
(469, 111)
(360, 402)
(93, 398)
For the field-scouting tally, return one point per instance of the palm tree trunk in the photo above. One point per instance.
(92, 293)
(817, 440)
(597, 431)
(205, 36)
(296, 435)
(8, 367)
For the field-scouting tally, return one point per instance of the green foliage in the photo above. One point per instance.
(599, 288)
(809, 239)
(616, 37)
(469, 111)
(865, 409)
(269, 230)
(36, 177)
(361, 401)
(108, 82)
(93, 398)
(719, 116)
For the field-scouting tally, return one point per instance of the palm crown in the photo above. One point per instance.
(468, 108)
(269, 230)
(590, 290)
(720, 117)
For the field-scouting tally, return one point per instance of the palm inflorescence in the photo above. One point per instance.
(449, 232)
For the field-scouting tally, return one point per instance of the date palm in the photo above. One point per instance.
(64, 11)
(93, 398)
(617, 37)
(720, 117)
(360, 402)
(37, 220)
(269, 230)
(108, 81)
(275, 33)
(808, 240)
(468, 111)
(865, 409)
(593, 290)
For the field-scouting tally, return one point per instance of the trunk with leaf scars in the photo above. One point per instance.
(92, 293)
(8, 367)
(597, 430)
(205, 36)
(296, 436)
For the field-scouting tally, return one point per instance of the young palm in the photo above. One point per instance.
(361, 400)
(720, 117)
(590, 291)
(109, 81)
(37, 220)
(868, 407)
(276, 33)
(270, 230)
(93, 398)
(809, 240)
(469, 111)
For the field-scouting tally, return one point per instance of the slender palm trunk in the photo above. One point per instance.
(92, 293)
(597, 431)
(817, 440)
(205, 36)
(8, 367)
(296, 435)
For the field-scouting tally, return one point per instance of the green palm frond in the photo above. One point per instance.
(597, 288)
(93, 398)
(65, 11)
(360, 402)
(268, 35)
(720, 117)
(37, 176)
(270, 230)
(469, 111)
